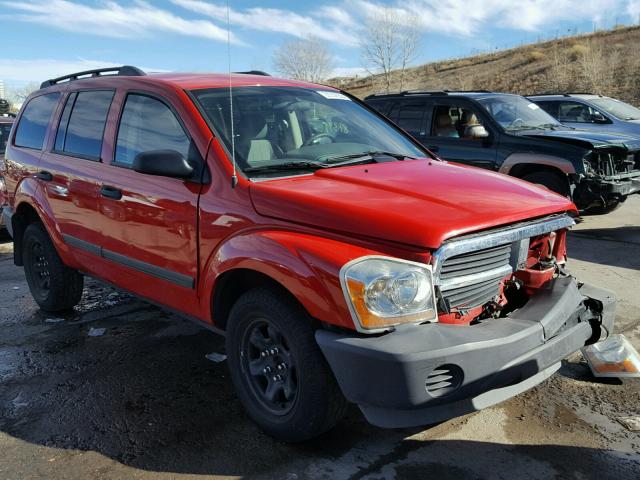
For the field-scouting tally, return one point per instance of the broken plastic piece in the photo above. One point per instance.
(631, 423)
(96, 332)
(54, 320)
(613, 357)
(216, 357)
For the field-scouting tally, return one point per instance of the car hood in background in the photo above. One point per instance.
(414, 202)
(589, 139)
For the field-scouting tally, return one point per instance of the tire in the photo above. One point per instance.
(306, 401)
(552, 181)
(601, 210)
(54, 286)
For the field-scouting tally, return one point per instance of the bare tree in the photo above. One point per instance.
(390, 42)
(304, 59)
(599, 69)
(17, 95)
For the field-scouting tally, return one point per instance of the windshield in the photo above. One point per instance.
(620, 110)
(299, 128)
(517, 113)
(5, 128)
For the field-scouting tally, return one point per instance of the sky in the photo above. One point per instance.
(47, 38)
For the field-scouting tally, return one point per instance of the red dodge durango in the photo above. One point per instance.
(342, 261)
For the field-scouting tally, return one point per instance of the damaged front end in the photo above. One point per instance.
(610, 175)
(508, 314)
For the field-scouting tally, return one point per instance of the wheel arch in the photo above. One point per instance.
(304, 266)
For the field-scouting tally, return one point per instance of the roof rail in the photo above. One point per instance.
(469, 91)
(124, 71)
(254, 72)
(563, 94)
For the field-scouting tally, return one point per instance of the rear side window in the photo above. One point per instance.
(410, 117)
(34, 121)
(82, 124)
(148, 124)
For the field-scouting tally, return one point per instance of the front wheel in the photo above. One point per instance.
(553, 181)
(278, 370)
(53, 285)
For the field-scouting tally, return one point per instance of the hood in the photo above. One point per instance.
(414, 202)
(587, 139)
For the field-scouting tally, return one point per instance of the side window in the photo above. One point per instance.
(34, 121)
(550, 107)
(82, 124)
(148, 124)
(456, 121)
(409, 116)
(576, 112)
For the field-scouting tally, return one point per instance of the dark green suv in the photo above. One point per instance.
(512, 135)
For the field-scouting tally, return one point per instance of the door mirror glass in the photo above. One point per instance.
(165, 163)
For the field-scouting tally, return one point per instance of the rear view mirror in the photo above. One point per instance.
(478, 131)
(165, 163)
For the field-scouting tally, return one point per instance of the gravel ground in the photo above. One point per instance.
(139, 400)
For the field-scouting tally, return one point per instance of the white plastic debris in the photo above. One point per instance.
(54, 320)
(96, 332)
(16, 288)
(631, 423)
(216, 357)
(613, 357)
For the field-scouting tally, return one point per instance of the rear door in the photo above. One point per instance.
(412, 116)
(150, 222)
(71, 168)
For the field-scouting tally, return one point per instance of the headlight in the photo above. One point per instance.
(383, 292)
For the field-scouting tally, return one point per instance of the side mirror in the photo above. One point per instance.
(477, 131)
(597, 117)
(164, 163)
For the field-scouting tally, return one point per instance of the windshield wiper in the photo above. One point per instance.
(285, 166)
(374, 154)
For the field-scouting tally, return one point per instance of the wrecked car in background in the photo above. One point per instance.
(341, 260)
(6, 121)
(512, 135)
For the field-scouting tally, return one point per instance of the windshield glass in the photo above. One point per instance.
(517, 113)
(5, 128)
(620, 110)
(277, 127)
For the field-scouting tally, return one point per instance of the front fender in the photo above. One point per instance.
(306, 265)
(562, 164)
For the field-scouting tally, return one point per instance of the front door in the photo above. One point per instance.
(150, 222)
(455, 134)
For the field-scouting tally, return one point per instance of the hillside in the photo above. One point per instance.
(606, 62)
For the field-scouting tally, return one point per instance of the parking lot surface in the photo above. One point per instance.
(122, 389)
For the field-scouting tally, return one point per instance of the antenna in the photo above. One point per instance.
(234, 177)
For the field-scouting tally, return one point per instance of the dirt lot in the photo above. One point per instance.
(142, 402)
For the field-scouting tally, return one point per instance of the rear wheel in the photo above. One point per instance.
(553, 181)
(278, 370)
(54, 286)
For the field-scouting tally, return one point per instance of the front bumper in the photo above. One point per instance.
(606, 191)
(400, 379)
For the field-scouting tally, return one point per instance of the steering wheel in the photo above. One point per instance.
(314, 139)
(518, 122)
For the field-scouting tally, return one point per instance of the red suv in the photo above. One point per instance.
(342, 261)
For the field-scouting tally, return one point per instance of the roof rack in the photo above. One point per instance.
(563, 94)
(254, 72)
(124, 71)
(425, 92)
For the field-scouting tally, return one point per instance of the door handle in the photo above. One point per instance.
(111, 192)
(44, 175)
(433, 148)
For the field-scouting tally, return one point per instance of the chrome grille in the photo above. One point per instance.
(467, 270)
(473, 278)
